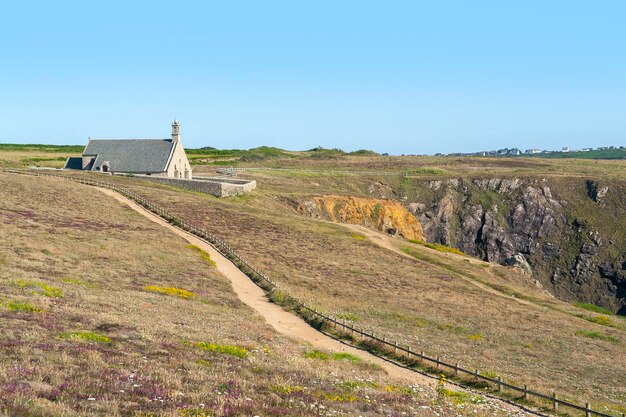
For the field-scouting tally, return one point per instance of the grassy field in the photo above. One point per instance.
(104, 313)
(601, 164)
(422, 296)
(427, 300)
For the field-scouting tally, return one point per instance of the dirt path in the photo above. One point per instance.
(281, 320)
(391, 244)
(289, 324)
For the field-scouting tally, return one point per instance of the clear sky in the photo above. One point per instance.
(392, 76)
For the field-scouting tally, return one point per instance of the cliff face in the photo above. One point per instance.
(384, 215)
(571, 232)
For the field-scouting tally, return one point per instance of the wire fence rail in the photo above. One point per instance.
(389, 349)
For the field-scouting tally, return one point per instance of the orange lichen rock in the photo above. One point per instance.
(384, 215)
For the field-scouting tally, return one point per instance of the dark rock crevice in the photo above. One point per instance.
(498, 219)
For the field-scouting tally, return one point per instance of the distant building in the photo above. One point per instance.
(158, 157)
(565, 149)
(532, 151)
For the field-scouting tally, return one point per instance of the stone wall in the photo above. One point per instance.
(218, 187)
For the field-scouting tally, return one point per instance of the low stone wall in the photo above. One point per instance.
(218, 187)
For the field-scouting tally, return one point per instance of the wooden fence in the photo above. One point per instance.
(393, 348)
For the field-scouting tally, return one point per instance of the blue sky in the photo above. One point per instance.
(398, 77)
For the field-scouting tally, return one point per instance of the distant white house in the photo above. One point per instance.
(157, 157)
(532, 151)
(565, 149)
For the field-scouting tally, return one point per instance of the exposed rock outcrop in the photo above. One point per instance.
(596, 192)
(384, 215)
(510, 219)
(518, 261)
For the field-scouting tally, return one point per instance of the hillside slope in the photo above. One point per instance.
(428, 300)
(104, 313)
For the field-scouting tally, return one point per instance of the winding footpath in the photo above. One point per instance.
(287, 323)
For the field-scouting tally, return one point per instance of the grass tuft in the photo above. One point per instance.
(338, 356)
(316, 354)
(596, 335)
(348, 316)
(344, 356)
(438, 247)
(75, 282)
(357, 236)
(601, 320)
(49, 291)
(344, 398)
(41, 288)
(594, 308)
(178, 292)
(203, 254)
(459, 397)
(22, 306)
(85, 336)
(237, 351)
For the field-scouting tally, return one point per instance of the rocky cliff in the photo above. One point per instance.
(384, 215)
(570, 232)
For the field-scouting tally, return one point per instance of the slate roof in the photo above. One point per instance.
(74, 163)
(130, 155)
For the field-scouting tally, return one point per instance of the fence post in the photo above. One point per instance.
(456, 368)
(587, 410)
(437, 358)
(395, 347)
(499, 383)
(525, 391)
(555, 405)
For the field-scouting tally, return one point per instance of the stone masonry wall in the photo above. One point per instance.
(215, 187)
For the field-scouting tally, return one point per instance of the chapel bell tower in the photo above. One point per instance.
(175, 131)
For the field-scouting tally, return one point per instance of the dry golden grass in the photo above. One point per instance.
(106, 346)
(429, 303)
(437, 167)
